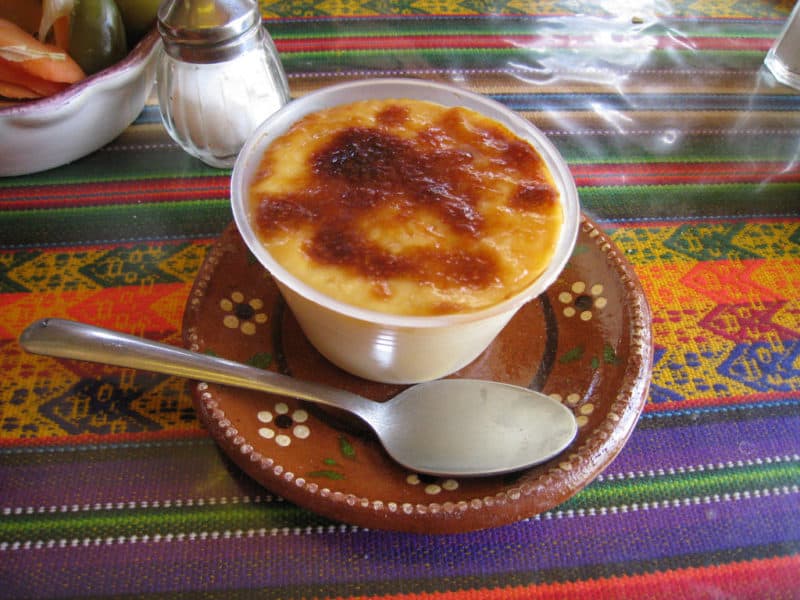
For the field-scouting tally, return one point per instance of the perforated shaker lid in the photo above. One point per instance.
(207, 30)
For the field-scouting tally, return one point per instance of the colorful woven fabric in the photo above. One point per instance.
(684, 149)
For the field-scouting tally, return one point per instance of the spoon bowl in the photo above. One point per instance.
(453, 427)
(469, 427)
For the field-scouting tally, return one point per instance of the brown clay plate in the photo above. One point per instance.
(587, 341)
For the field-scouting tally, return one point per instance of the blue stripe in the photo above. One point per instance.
(150, 114)
(647, 102)
(665, 414)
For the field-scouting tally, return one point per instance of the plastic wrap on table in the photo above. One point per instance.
(644, 107)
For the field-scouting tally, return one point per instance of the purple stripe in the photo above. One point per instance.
(170, 471)
(708, 443)
(161, 471)
(345, 559)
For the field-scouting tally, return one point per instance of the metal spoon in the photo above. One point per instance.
(458, 427)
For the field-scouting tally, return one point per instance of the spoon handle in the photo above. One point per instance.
(71, 339)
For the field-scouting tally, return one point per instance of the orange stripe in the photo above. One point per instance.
(144, 312)
(101, 439)
(717, 401)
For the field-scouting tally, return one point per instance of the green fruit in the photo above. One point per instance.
(97, 35)
(138, 16)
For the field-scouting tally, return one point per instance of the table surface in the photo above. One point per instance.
(685, 152)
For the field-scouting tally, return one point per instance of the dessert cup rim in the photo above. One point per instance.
(448, 95)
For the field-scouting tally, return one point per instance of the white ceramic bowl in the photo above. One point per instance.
(53, 131)
(386, 347)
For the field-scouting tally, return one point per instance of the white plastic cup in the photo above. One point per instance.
(387, 347)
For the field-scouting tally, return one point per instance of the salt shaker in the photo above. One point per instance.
(783, 59)
(219, 76)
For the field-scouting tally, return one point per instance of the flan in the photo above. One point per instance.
(406, 207)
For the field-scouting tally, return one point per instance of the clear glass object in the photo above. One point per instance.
(219, 76)
(783, 59)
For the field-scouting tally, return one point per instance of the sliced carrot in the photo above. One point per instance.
(51, 63)
(61, 32)
(17, 92)
(12, 74)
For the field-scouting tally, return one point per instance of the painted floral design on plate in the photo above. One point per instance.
(586, 342)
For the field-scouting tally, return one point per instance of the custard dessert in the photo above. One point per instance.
(406, 207)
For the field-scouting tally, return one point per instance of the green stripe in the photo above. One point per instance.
(684, 202)
(142, 151)
(112, 164)
(687, 485)
(693, 148)
(454, 59)
(101, 224)
(513, 25)
(152, 521)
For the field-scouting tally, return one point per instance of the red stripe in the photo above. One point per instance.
(689, 403)
(700, 179)
(409, 42)
(757, 579)
(682, 173)
(114, 192)
(712, 168)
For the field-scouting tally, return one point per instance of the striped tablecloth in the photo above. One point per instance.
(685, 151)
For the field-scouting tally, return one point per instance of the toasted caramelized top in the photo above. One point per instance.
(407, 207)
